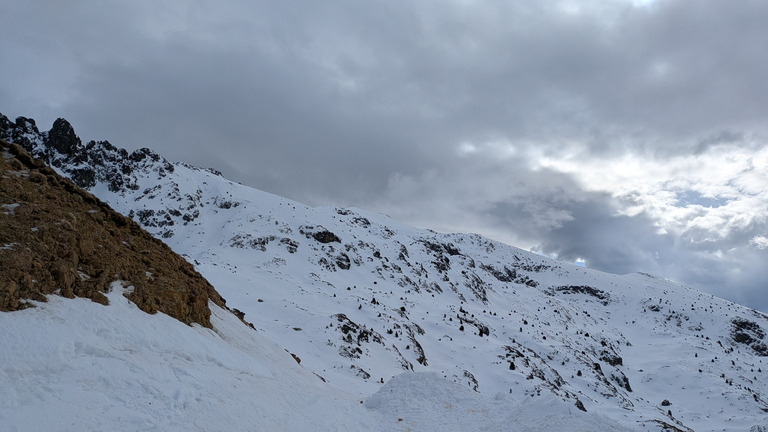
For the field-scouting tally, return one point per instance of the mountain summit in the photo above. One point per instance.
(366, 302)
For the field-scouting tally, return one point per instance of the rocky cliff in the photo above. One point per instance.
(56, 238)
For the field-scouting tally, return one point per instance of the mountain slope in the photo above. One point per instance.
(75, 364)
(102, 364)
(361, 299)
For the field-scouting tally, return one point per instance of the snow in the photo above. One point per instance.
(75, 365)
(72, 365)
(619, 344)
(244, 250)
(425, 401)
(10, 209)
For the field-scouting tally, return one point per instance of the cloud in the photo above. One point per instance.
(759, 241)
(607, 130)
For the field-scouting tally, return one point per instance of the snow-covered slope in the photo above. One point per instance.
(76, 365)
(361, 299)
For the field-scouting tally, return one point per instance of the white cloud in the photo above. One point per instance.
(760, 242)
(652, 185)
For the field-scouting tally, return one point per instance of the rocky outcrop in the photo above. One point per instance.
(100, 162)
(85, 164)
(56, 238)
(21, 132)
(62, 137)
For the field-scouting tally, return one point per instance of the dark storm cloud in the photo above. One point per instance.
(435, 112)
(606, 241)
(342, 75)
(625, 244)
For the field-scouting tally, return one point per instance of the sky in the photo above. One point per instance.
(625, 135)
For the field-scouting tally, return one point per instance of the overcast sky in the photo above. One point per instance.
(628, 135)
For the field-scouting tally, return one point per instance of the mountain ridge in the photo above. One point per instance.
(360, 298)
(58, 238)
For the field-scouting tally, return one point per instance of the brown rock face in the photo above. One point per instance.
(56, 238)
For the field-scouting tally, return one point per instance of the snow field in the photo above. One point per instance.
(72, 365)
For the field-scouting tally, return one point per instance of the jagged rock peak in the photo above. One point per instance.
(89, 164)
(5, 127)
(63, 138)
(18, 131)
